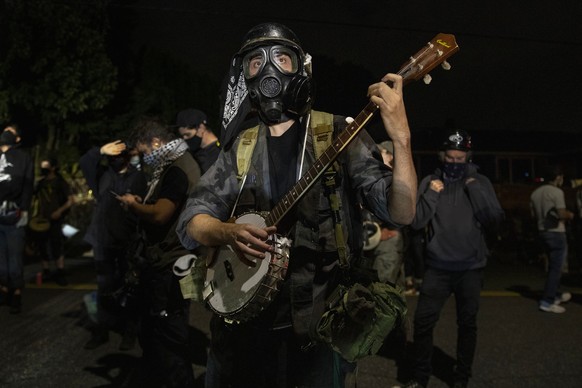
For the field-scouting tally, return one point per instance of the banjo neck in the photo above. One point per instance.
(419, 65)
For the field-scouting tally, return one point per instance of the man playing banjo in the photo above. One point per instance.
(272, 347)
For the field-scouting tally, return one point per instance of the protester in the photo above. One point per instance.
(164, 312)
(549, 208)
(457, 205)
(16, 185)
(204, 145)
(275, 347)
(110, 233)
(54, 197)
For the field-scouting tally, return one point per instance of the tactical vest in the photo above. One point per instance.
(321, 128)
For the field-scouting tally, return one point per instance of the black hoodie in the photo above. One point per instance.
(455, 220)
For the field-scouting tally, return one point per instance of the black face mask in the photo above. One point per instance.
(7, 138)
(454, 171)
(44, 171)
(117, 164)
(194, 143)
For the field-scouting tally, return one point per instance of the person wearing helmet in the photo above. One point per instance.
(270, 79)
(455, 204)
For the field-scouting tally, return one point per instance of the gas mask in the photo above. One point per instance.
(277, 84)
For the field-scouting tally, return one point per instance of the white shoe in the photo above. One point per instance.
(565, 297)
(553, 308)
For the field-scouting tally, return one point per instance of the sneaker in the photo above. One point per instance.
(563, 298)
(552, 308)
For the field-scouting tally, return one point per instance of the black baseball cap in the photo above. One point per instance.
(190, 118)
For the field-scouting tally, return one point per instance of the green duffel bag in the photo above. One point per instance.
(359, 318)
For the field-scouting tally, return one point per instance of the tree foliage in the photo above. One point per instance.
(55, 69)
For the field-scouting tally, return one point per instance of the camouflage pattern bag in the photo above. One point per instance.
(359, 318)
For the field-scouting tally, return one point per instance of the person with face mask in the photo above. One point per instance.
(54, 197)
(203, 143)
(456, 204)
(164, 313)
(110, 232)
(548, 207)
(270, 78)
(16, 187)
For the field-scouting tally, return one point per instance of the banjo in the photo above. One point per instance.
(238, 291)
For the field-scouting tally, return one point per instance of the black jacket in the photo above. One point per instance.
(110, 225)
(16, 178)
(455, 220)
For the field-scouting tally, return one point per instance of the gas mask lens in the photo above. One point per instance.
(283, 58)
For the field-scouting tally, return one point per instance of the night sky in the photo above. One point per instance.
(517, 69)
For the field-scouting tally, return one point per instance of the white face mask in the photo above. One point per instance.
(134, 161)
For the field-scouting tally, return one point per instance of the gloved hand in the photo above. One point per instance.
(23, 221)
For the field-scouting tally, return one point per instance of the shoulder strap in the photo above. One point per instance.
(322, 129)
(244, 151)
(321, 126)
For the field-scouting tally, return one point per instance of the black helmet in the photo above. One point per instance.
(458, 140)
(267, 34)
(276, 91)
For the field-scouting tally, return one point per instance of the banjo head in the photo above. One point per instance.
(233, 286)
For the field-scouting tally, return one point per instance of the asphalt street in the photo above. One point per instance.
(518, 345)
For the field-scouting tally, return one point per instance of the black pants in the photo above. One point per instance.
(164, 331)
(436, 289)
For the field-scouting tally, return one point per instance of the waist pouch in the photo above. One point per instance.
(359, 318)
(9, 213)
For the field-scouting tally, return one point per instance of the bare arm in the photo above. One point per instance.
(565, 214)
(158, 213)
(67, 205)
(389, 100)
(248, 238)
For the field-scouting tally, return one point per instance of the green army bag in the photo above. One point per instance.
(359, 318)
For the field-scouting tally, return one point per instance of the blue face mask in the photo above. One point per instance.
(454, 171)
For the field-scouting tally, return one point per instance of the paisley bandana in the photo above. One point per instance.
(236, 104)
(454, 171)
(162, 157)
